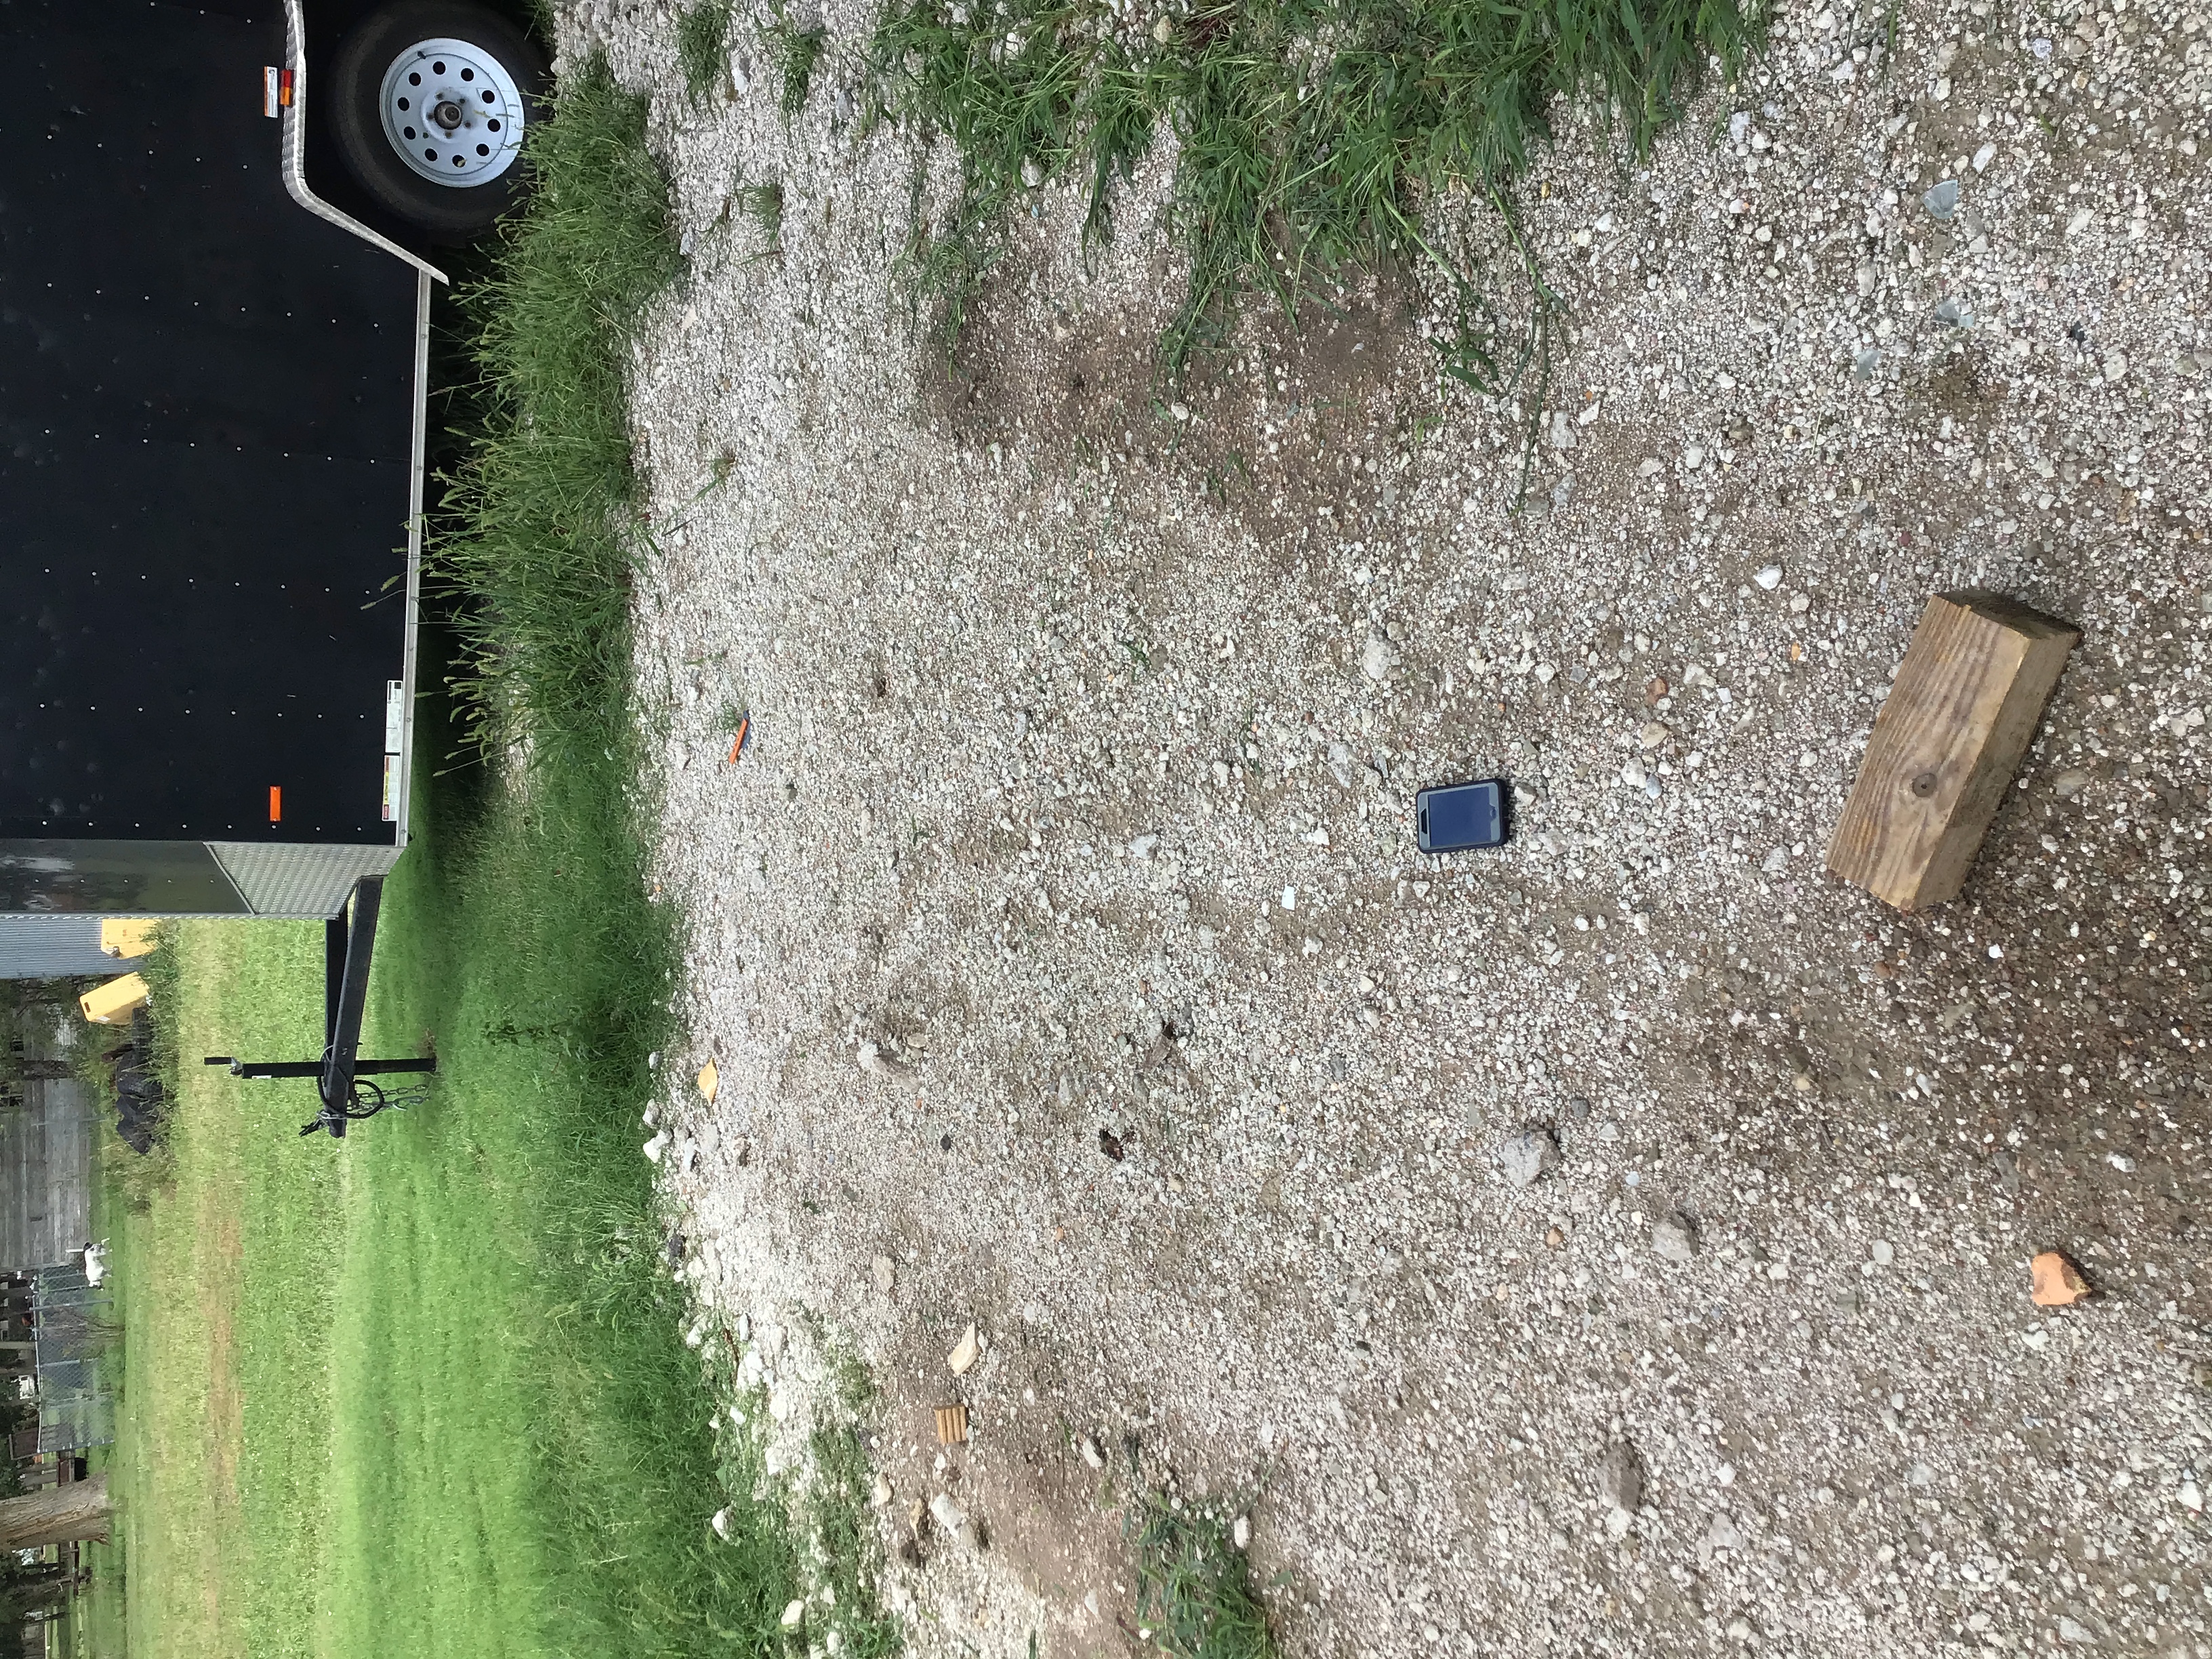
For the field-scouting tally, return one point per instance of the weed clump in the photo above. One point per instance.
(703, 47)
(797, 52)
(533, 545)
(1315, 136)
(1193, 1588)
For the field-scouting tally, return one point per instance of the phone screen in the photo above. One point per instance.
(1460, 815)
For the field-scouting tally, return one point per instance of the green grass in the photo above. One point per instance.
(207, 1369)
(534, 545)
(703, 47)
(1193, 1588)
(762, 204)
(426, 1392)
(1317, 138)
(798, 51)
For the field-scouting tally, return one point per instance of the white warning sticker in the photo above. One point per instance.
(395, 717)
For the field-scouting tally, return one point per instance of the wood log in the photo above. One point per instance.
(1967, 703)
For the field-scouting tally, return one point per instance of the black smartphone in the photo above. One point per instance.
(1456, 816)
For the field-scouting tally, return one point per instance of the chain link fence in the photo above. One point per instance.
(72, 1330)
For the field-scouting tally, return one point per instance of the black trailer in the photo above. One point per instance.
(217, 265)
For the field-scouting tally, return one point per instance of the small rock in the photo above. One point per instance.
(873, 1060)
(2192, 1496)
(1955, 314)
(964, 1354)
(710, 1081)
(1529, 1154)
(1674, 1237)
(951, 1519)
(1693, 456)
(794, 1617)
(1620, 1478)
(1089, 1449)
(720, 1523)
(1579, 1106)
(657, 1145)
(2069, 783)
(1240, 1532)
(2115, 365)
(886, 1272)
(2072, 1630)
(1032, 171)
(1774, 863)
(1769, 578)
(1657, 688)
(1942, 201)
(1376, 658)
(1654, 733)
(881, 1494)
(2056, 1282)
(1883, 1253)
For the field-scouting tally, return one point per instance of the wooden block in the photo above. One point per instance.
(1968, 697)
(952, 1424)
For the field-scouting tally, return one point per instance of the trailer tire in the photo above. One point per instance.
(502, 69)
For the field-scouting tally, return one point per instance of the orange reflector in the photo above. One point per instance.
(276, 803)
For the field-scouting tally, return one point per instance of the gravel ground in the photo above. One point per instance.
(1614, 1243)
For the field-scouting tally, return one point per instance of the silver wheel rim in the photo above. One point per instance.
(451, 113)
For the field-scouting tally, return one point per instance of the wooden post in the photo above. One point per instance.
(1968, 698)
